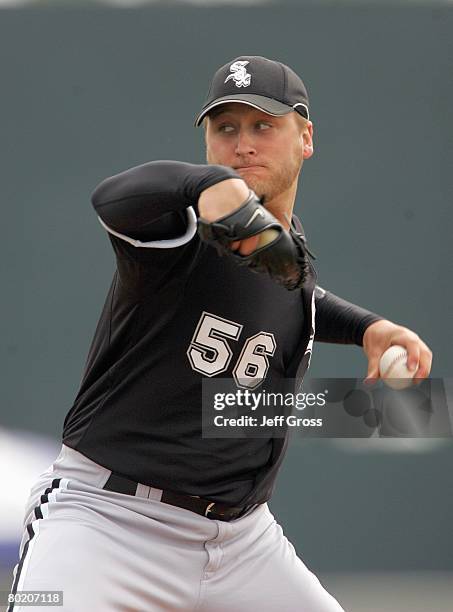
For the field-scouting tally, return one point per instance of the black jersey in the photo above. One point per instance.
(177, 312)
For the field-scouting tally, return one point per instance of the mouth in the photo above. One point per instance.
(248, 167)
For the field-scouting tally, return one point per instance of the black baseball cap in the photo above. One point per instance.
(257, 81)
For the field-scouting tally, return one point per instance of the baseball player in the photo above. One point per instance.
(214, 278)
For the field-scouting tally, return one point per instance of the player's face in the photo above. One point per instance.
(266, 151)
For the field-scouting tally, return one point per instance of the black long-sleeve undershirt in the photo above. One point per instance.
(340, 322)
(146, 202)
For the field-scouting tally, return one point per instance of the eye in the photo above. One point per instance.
(225, 128)
(263, 125)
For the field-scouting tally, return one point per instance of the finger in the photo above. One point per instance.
(413, 356)
(373, 370)
(424, 366)
(248, 245)
(412, 343)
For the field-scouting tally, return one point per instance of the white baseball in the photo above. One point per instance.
(393, 368)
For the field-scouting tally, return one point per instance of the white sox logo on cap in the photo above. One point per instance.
(240, 75)
(272, 87)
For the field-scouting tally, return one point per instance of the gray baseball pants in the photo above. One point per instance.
(111, 552)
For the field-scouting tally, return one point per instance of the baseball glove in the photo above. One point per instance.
(284, 259)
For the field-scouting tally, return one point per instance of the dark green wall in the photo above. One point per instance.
(87, 93)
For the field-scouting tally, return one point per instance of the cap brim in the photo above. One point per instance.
(267, 105)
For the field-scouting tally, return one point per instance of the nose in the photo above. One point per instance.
(245, 144)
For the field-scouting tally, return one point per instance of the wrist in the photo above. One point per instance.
(222, 199)
(376, 328)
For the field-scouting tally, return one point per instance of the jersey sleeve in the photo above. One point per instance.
(338, 321)
(154, 201)
(150, 213)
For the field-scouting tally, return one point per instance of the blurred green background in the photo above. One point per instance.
(88, 91)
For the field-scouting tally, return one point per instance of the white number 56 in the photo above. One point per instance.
(210, 353)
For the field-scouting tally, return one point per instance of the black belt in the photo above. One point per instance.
(205, 507)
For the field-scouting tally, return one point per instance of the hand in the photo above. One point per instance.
(222, 199)
(380, 335)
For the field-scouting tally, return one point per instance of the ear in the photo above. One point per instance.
(308, 140)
